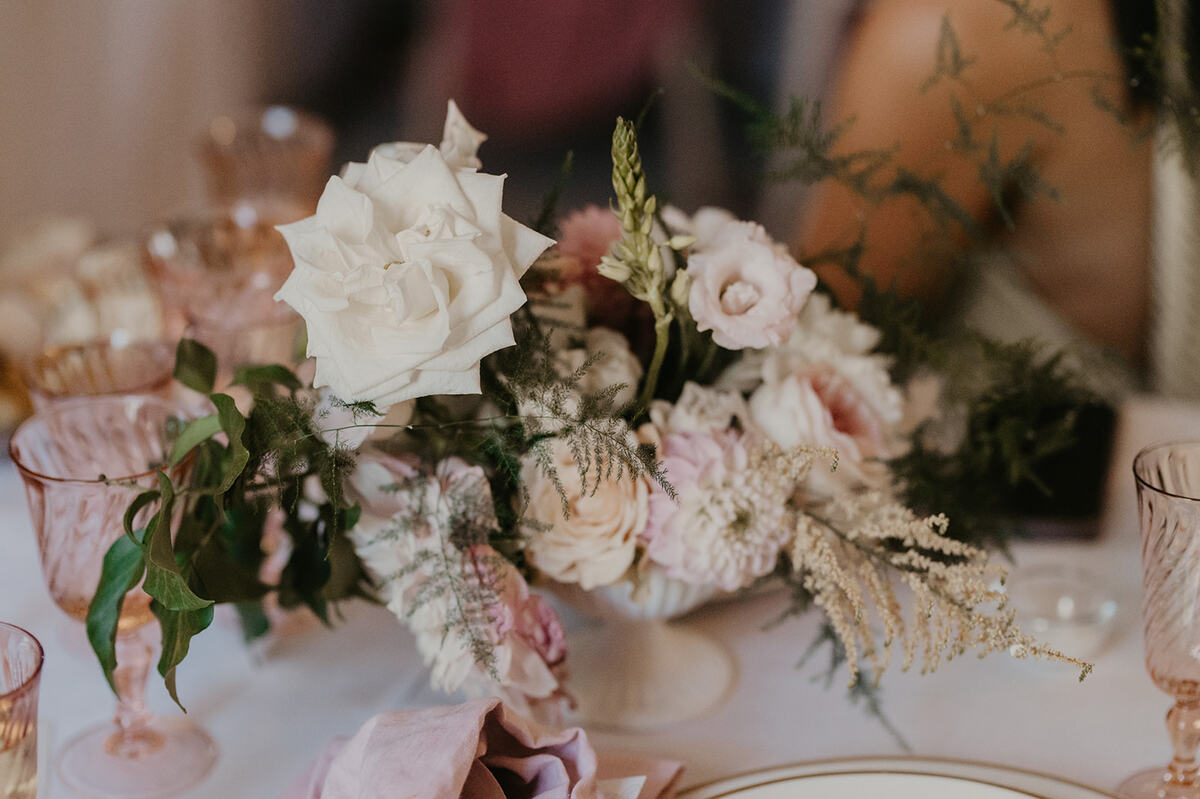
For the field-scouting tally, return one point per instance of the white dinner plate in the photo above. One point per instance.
(895, 778)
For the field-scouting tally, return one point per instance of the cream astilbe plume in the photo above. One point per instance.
(859, 546)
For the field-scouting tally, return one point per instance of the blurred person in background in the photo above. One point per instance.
(1032, 122)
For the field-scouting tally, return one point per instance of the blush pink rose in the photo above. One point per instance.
(820, 407)
(585, 236)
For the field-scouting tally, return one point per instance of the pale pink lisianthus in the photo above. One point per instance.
(726, 528)
(746, 289)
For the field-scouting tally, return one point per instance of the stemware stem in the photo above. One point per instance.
(134, 737)
(1183, 724)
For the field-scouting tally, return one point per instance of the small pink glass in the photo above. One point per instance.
(218, 277)
(100, 368)
(1168, 489)
(275, 158)
(82, 462)
(20, 674)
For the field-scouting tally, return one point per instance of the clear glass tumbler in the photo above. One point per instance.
(20, 674)
(1168, 489)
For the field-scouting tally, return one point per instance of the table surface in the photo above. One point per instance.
(272, 710)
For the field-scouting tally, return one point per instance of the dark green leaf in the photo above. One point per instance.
(218, 576)
(121, 571)
(257, 378)
(233, 423)
(140, 501)
(195, 365)
(164, 581)
(197, 430)
(255, 623)
(178, 627)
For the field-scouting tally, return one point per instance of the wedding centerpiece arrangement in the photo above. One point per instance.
(656, 409)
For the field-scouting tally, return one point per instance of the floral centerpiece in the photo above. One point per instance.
(656, 399)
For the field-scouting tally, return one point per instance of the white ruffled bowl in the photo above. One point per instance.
(635, 671)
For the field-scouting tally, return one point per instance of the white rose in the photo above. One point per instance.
(594, 545)
(699, 409)
(745, 288)
(460, 145)
(406, 277)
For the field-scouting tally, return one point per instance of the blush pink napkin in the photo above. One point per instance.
(476, 750)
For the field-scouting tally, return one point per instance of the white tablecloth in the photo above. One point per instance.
(272, 714)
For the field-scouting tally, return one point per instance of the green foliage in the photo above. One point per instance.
(545, 221)
(122, 570)
(232, 476)
(195, 366)
(1020, 411)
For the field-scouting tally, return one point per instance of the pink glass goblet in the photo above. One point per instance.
(99, 368)
(218, 277)
(1168, 489)
(276, 158)
(20, 674)
(82, 462)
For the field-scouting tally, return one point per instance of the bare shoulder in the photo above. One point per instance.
(994, 44)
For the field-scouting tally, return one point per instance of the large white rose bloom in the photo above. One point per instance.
(406, 277)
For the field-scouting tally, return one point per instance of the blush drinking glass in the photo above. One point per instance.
(217, 277)
(276, 158)
(1168, 489)
(20, 673)
(98, 368)
(82, 463)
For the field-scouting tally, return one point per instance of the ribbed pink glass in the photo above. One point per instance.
(82, 462)
(276, 158)
(100, 368)
(20, 675)
(218, 277)
(1168, 489)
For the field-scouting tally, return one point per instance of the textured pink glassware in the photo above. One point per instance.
(1168, 489)
(20, 675)
(82, 462)
(99, 368)
(218, 277)
(276, 158)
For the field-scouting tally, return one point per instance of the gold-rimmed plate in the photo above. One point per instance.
(895, 778)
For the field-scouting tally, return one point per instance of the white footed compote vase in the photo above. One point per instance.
(635, 669)
(1168, 489)
(83, 462)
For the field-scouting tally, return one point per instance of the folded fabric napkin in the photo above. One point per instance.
(476, 750)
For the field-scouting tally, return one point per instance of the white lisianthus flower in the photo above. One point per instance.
(404, 540)
(406, 277)
(700, 409)
(595, 544)
(745, 287)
